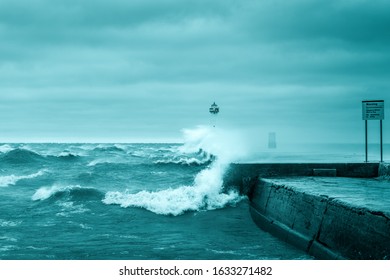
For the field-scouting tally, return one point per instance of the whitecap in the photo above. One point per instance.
(8, 238)
(99, 161)
(113, 160)
(183, 161)
(6, 223)
(44, 193)
(9, 180)
(173, 201)
(206, 193)
(5, 148)
(68, 209)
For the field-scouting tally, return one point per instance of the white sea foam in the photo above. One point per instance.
(47, 192)
(8, 238)
(206, 193)
(103, 161)
(173, 201)
(8, 248)
(98, 161)
(6, 223)
(5, 148)
(183, 161)
(70, 154)
(10, 180)
(69, 208)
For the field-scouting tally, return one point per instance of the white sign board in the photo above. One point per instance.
(373, 110)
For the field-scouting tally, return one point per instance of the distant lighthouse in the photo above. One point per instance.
(214, 110)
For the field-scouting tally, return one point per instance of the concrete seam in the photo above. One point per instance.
(316, 236)
(268, 198)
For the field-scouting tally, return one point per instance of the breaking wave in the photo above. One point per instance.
(185, 161)
(174, 201)
(207, 191)
(5, 148)
(10, 180)
(68, 155)
(74, 192)
(103, 161)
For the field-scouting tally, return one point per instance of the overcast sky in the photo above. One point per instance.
(139, 70)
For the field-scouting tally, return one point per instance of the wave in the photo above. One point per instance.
(65, 156)
(173, 201)
(198, 157)
(5, 148)
(25, 155)
(103, 161)
(9, 180)
(74, 192)
(205, 194)
(185, 161)
(202, 145)
(110, 148)
(152, 153)
(68, 155)
(21, 155)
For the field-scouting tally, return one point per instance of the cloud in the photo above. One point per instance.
(150, 65)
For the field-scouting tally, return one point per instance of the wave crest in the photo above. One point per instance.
(173, 201)
(105, 161)
(21, 155)
(110, 148)
(10, 180)
(185, 161)
(206, 193)
(72, 191)
(68, 155)
(5, 148)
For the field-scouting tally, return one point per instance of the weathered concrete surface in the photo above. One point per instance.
(359, 170)
(330, 217)
(326, 227)
(239, 174)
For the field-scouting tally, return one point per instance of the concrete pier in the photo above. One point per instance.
(332, 211)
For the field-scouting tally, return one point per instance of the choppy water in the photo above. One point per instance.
(124, 201)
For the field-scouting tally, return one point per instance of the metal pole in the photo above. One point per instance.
(381, 140)
(366, 143)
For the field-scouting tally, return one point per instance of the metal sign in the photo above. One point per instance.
(373, 110)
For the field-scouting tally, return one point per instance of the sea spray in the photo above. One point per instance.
(206, 193)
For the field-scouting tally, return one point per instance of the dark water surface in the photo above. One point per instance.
(124, 201)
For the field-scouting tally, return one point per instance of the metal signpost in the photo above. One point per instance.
(374, 110)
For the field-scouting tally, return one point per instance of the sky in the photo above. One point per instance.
(141, 70)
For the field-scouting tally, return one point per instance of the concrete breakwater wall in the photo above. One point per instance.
(245, 175)
(322, 226)
(237, 171)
